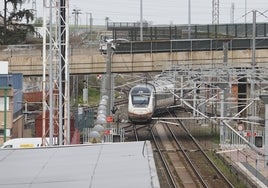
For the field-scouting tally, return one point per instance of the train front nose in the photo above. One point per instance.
(141, 111)
(141, 115)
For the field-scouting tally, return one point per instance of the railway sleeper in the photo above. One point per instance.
(167, 150)
(191, 150)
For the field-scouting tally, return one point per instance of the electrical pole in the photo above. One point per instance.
(109, 79)
(253, 78)
(215, 11)
(232, 13)
(189, 19)
(55, 83)
(141, 21)
(246, 4)
(90, 25)
(90, 22)
(87, 21)
(76, 13)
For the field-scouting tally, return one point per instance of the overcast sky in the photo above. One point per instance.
(164, 11)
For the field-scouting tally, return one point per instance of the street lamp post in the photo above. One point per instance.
(141, 21)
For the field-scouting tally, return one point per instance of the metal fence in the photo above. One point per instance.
(84, 117)
(189, 45)
(132, 32)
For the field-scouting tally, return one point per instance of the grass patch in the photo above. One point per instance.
(93, 97)
(226, 170)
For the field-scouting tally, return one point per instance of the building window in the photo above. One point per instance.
(2, 103)
(8, 132)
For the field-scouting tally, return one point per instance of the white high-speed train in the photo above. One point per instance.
(149, 98)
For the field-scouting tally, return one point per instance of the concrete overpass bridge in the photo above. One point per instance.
(89, 61)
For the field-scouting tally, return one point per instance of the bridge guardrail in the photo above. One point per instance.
(189, 45)
(155, 46)
(199, 31)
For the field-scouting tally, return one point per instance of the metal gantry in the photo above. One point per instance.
(209, 92)
(55, 83)
(215, 11)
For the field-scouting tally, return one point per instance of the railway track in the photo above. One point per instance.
(168, 178)
(138, 132)
(184, 161)
(172, 166)
(179, 157)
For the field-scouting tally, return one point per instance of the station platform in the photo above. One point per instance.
(249, 162)
(112, 165)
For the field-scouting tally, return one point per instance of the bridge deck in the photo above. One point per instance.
(84, 62)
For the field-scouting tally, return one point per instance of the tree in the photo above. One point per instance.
(15, 22)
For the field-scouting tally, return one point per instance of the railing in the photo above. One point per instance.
(154, 47)
(189, 45)
(121, 25)
(221, 31)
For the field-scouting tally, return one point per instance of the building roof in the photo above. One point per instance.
(129, 164)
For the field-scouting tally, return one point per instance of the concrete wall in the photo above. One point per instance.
(85, 63)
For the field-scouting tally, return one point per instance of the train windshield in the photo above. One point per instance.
(138, 100)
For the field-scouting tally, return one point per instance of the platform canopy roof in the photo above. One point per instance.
(112, 165)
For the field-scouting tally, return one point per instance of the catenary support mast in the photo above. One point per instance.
(215, 11)
(56, 110)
